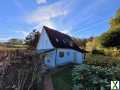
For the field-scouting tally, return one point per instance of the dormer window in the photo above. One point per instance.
(64, 41)
(71, 44)
(57, 40)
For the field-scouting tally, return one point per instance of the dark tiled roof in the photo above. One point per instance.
(61, 40)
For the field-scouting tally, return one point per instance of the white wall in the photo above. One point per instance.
(50, 59)
(69, 56)
(44, 42)
(53, 58)
(79, 57)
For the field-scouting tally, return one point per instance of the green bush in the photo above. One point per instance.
(101, 60)
(86, 76)
(101, 52)
(112, 52)
(107, 52)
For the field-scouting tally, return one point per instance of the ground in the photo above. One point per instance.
(62, 79)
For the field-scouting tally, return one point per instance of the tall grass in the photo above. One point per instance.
(21, 72)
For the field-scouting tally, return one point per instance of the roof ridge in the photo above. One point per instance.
(48, 28)
(61, 40)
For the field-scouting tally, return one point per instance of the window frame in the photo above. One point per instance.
(61, 54)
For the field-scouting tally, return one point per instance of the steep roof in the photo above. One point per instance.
(61, 40)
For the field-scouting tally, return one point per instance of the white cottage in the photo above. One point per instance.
(58, 48)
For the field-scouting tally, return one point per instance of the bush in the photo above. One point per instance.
(107, 52)
(101, 52)
(112, 52)
(86, 76)
(100, 60)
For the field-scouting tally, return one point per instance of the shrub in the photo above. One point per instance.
(101, 52)
(86, 76)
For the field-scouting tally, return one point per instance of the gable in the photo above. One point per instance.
(44, 42)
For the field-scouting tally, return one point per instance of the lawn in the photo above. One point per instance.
(62, 80)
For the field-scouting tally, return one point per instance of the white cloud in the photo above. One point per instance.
(24, 33)
(65, 31)
(47, 13)
(5, 39)
(21, 32)
(44, 15)
(41, 1)
(44, 23)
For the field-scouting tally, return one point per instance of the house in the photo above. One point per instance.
(58, 48)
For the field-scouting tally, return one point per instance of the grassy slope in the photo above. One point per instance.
(62, 80)
(14, 47)
(102, 59)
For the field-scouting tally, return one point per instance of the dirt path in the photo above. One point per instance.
(48, 85)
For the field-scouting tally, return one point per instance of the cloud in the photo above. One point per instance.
(24, 33)
(44, 15)
(20, 34)
(41, 1)
(48, 12)
(48, 23)
(65, 31)
(5, 39)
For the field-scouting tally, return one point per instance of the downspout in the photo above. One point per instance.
(55, 56)
(84, 58)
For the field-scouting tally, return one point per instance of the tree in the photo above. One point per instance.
(80, 42)
(14, 41)
(115, 22)
(111, 38)
(91, 44)
(32, 39)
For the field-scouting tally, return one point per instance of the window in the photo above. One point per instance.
(68, 53)
(57, 40)
(48, 61)
(61, 54)
(71, 44)
(64, 41)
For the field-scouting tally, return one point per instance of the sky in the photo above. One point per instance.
(78, 18)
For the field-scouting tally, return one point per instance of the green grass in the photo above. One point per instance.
(96, 58)
(62, 80)
(12, 48)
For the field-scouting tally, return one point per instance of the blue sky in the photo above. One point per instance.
(79, 18)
